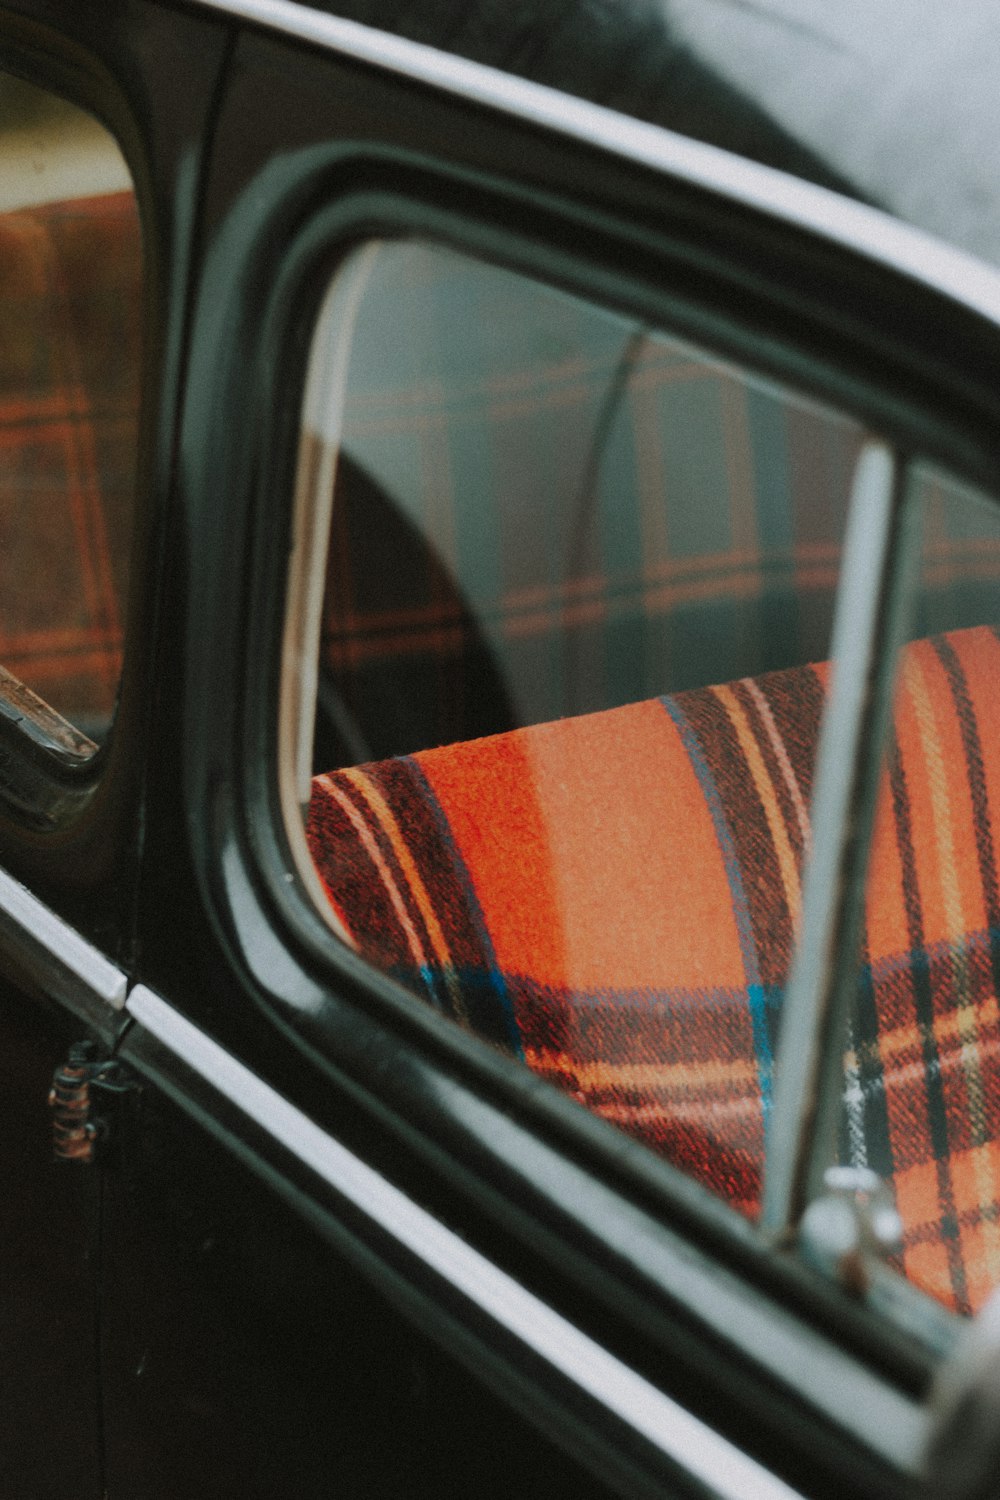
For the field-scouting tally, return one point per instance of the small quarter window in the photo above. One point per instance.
(923, 1094)
(70, 299)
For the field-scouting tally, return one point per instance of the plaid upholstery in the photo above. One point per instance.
(923, 1096)
(70, 297)
(544, 509)
(613, 899)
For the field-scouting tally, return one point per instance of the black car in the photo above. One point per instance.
(499, 750)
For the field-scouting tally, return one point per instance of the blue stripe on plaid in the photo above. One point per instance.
(488, 983)
(723, 999)
(975, 944)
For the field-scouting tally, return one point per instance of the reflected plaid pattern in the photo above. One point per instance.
(614, 898)
(70, 307)
(544, 509)
(609, 513)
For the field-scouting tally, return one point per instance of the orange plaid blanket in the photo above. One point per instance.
(614, 898)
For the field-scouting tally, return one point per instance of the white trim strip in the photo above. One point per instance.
(874, 234)
(801, 1138)
(62, 942)
(703, 1453)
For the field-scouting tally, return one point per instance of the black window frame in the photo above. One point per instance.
(278, 237)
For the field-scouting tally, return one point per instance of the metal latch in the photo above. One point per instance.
(852, 1224)
(83, 1091)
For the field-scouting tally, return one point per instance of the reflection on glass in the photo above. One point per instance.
(69, 391)
(923, 1098)
(566, 717)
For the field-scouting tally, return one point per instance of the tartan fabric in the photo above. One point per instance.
(70, 300)
(597, 512)
(923, 1096)
(542, 509)
(613, 898)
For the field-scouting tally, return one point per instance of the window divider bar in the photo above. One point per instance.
(869, 625)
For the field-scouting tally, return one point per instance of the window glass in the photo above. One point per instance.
(569, 584)
(923, 1096)
(69, 394)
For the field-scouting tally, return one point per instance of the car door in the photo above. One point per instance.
(93, 223)
(349, 1244)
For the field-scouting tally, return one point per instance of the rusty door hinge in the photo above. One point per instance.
(83, 1092)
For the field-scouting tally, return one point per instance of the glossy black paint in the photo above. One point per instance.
(75, 836)
(256, 1338)
(248, 1357)
(272, 237)
(50, 1433)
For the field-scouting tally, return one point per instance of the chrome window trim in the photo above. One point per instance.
(683, 1438)
(27, 926)
(801, 1131)
(840, 220)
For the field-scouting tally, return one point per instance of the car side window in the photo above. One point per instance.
(556, 668)
(566, 586)
(922, 1086)
(545, 509)
(70, 297)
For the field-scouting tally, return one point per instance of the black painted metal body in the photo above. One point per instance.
(236, 1327)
